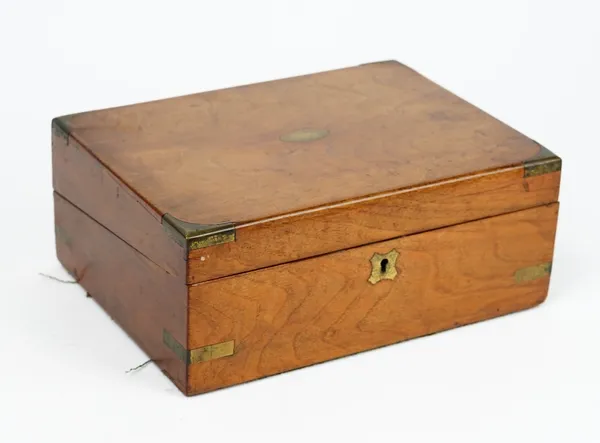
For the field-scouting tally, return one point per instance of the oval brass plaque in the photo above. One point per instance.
(305, 135)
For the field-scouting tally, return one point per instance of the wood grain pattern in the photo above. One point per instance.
(313, 310)
(317, 173)
(95, 190)
(401, 155)
(219, 157)
(138, 294)
(371, 220)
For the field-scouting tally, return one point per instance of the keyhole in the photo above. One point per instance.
(384, 264)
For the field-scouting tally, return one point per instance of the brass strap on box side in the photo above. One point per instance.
(530, 273)
(196, 236)
(198, 355)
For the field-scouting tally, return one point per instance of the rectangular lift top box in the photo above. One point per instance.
(240, 233)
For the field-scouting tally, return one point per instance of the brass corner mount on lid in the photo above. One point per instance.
(544, 162)
(197, 236)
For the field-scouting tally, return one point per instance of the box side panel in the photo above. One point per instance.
(85, 182)
(371, 220)
(310, 311)
(138, 294)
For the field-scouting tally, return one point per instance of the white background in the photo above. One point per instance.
(532, 376)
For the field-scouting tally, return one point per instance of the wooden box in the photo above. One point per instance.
(240, 233)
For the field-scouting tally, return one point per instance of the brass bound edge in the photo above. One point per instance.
(544, 162)
(198, 355)
(196, 236)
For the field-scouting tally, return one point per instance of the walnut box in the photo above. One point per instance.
(241, 233)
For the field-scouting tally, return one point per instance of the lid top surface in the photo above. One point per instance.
(258, 151)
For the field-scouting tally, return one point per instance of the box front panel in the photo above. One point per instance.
(373, 220)
(310, 311)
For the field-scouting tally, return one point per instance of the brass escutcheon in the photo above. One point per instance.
(383, 266)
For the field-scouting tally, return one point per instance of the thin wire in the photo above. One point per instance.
(51, 277)
(137, 368)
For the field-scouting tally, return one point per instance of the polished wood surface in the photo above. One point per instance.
(221, 156)
(281, 240)
(317, 309)
(316, 173)
(140, 296)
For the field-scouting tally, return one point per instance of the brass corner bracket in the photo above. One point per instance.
(544, 162)
(196, 236)
(60, 128)
(198, 355)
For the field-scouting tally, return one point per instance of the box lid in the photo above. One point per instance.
(266, 173)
